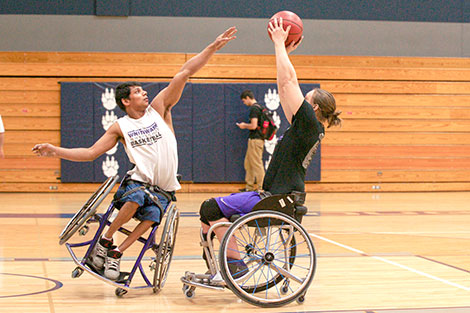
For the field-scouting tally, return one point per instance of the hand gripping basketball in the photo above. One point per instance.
(289, 19)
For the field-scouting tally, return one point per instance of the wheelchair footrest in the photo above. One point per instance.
(122, 279)
(202, 280)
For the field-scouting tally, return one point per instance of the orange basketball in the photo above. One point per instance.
(296, 25)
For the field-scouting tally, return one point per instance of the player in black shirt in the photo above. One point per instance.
(293, 153)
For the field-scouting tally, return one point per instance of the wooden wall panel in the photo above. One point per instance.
(408, 151)
(396, 138)
(394, 176)
(406, 120)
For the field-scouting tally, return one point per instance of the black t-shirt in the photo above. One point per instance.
(255, 112)
(294, 152)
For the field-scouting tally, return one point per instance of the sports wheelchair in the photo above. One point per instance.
(159, 262)
(277, 250)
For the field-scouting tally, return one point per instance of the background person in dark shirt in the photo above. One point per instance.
(293, 153)
(254, 170)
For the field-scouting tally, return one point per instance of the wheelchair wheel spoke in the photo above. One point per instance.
(285, 273)
(251, 242)
(275, 285)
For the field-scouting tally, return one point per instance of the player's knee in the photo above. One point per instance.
(209, 211)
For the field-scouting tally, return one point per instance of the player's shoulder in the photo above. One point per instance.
(115, 128)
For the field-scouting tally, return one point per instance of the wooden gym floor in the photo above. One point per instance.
(377, 252)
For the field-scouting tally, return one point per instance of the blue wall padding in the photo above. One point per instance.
(113, 7)
(98, 131)
(208, 133)
(182, 114)
(235, 138)
(455, 11)
(211, 147)
(76, 125)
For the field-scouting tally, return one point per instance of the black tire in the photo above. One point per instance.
(273, 261)
(165, 249)
(87, 210)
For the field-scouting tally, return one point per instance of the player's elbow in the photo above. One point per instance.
(285, 86)
(184, 74)
(90, 154)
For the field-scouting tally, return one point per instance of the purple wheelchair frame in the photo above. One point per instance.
(103, 220)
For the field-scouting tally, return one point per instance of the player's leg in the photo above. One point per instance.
(148, 214)
(249, 175)
(257, 165)
(105, 243)
(212, 213)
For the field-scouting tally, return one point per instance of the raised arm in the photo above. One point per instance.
(290, 95)
(169, 96)
(105, 143)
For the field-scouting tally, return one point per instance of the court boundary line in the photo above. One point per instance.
(58, 285)
(442, 263)
(392, 263)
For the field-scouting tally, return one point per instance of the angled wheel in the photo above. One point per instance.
(275, 240)
(87, 210)
(166, 249)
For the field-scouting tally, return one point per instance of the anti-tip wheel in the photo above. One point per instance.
(120, 292)
(190, 292)
(300, 299)
(77, 272)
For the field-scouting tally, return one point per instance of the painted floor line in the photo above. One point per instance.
(393, 263)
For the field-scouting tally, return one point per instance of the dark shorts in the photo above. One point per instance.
(148, 210)
(238, 203)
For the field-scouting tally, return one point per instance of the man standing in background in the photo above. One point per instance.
(254, 153)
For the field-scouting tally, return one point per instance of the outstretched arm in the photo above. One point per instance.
(290, 95)
(169, 96)
(105, 143)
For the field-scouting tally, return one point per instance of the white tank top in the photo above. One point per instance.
(151, 146)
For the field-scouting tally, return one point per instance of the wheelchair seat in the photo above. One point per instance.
(289, 204)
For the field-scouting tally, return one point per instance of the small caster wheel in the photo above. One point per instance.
(77, 272)
(285, 287)
(84, 230)
(120, 292)
(185, 287)
(189, 293)
(300, 299)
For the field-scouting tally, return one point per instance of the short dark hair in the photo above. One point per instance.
(247, 94)
(123, 91)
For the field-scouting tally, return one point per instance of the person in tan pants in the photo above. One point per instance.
(254, 152)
